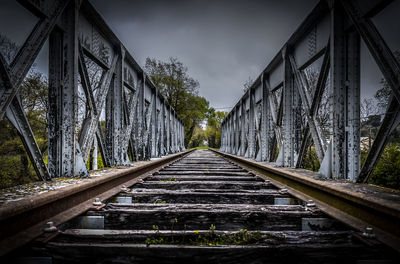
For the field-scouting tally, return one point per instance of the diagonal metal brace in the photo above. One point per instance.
(89, 126)
(27, 54)
(376, 44)
(314, 126)
(17, 117)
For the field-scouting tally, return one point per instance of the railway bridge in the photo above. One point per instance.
(249, 201)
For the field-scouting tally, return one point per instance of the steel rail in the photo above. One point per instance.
(351, 207)
(24, 220)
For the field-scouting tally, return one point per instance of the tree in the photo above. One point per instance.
(8, 48)
(15, 166)
(387, 171)
(172, 79)
(370, 121)
(383, 94)
(213, 129)
(198, 139)
(180, 91)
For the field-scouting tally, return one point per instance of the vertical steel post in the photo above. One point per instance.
(338, 85)
(154, 126)
(353, 106)
(140, 118)
(94, 161)
(162, 131)
(243, 128)
(227, 134)
(118, 87)
(176, 132)
(172, 131)
(175, 138)
(231, 133)
(169, 129)
(222, 147)
(114, 113)
(231, 146)
(252, 134)
(265, 132)
(234, 150)
(288, 115)
(182, 138)
(65, 159)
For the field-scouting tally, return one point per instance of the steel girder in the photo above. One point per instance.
(79, 43)
(65, 158)
(265, 122)
(332, 32)
(251, 125)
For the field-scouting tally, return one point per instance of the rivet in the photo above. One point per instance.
(283, 191)
(368, 233)
(310, 203)
(97, 202)
(50, 227)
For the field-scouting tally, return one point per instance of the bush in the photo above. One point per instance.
(387, 171)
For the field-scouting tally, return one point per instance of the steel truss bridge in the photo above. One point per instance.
(278, 117)
(272, 124)
(138, 118)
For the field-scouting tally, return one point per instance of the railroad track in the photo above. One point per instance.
(201, 208)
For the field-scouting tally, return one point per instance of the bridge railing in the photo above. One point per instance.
(310, 94)
(125, 116)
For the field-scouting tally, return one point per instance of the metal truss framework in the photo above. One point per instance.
(279, 116)
(125, 115)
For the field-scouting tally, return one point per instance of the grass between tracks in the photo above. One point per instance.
(242, 237)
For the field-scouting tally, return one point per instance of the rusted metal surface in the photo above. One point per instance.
(359, 206)
(23, 220)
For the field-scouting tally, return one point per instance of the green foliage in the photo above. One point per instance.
(15, 166)
(211, 238)
(89, 162)
(194, 114)
(15, 170)
(310, 161)
(198, 138)
(387, 171)
(213, 130)
(180, 91)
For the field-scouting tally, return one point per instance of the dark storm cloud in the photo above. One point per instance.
(221, 42)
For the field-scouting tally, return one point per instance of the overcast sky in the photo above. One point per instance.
(222, 42)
